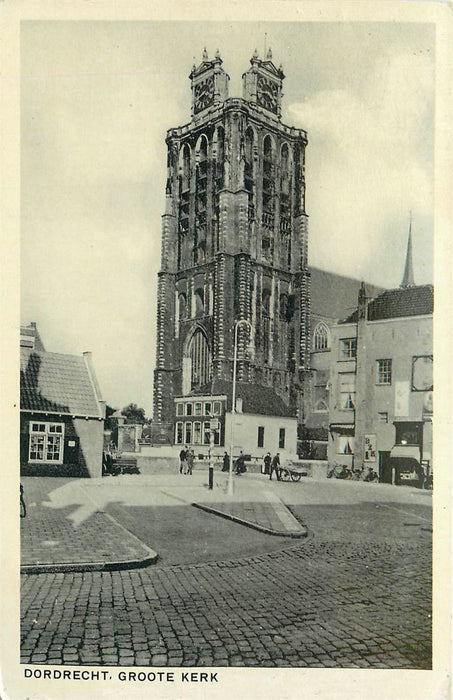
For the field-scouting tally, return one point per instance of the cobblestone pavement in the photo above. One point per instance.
(356, 594)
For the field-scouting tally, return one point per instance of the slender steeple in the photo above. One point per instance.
(408, 276)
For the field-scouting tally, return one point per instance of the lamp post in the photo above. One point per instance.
(242, 321)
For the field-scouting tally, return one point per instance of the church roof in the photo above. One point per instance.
(335, 296)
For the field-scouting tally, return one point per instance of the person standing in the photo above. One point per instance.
(275, 466)
(226, 462)
(182, 459)
(190, 460)
(267, 463)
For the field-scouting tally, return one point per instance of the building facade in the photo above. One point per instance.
(61, 412)
(234, 248)
(381, 400)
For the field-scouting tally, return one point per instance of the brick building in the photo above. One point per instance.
(234, 247)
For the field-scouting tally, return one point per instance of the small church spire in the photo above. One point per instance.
(408, 276)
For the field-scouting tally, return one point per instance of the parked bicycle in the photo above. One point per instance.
(23, 509)
(340, 471)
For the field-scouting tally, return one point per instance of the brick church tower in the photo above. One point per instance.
(234, 243)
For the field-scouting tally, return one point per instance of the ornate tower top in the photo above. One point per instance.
(262, 83)
(209, 83)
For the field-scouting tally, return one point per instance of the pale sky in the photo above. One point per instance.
(97, 100)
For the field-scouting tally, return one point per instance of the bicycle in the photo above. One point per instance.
(340, 471)
(23, 509)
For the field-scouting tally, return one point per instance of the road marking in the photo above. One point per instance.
(400, 510)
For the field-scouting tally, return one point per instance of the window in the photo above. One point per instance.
(188, 433)
(179, 433)
(189, 409)
(347, 391)
(197, 433)
(261, 436)
(348, 348)
(201, 359)
(216, 408)
(321, 337)
(179, 409)
(207, 409)
(198, 409)
(383, 417)
(46, 442)
(281, 438)
(206, 432)
(384, 371)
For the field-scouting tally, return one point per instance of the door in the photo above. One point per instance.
(385, 469)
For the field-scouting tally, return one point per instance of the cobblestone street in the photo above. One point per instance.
(355, 594)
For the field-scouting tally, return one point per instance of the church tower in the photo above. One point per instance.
(234, 243)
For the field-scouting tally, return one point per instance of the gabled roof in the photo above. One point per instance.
(334, 296)
(258, 400)
(399, 303)
(52, 382)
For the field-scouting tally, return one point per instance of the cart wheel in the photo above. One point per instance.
(295, 476)
(285, 475)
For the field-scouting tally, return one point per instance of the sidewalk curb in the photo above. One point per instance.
(280, 533)
(121, 565)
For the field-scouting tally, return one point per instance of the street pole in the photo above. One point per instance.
(233, 407)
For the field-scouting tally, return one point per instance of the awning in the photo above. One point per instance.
(405, 452)
(342, 428)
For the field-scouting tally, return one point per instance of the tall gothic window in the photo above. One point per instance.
(200, 356)
(249, 175)
(199, 303)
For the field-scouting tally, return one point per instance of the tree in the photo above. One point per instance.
(134, 414)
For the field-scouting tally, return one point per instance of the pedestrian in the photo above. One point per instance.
(182, 459)
(275, 466)
(190, 460)
(226, 462)
(240, 464)
(267, 463)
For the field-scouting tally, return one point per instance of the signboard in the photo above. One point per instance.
(402, 398)
(215, 424)
(370, 448)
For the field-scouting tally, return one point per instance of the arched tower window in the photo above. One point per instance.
(200, 357)
(199, 302)
(321, 337)
(249, 170)
(201, 188)
(182, 306)
(285, 185)
(268, 177)
(220, 158)
(184, 187)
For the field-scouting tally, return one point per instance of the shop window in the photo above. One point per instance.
(345, 445)
(46, 442)
(281, 438)
(206, 432)
(179, 433)
(384, 371)
(260, 436)
(348, 348)
(188, 433)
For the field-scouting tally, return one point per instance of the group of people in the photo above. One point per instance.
(272, 464)
(186, 460)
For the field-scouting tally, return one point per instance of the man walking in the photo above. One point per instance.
(182, 459)
(190, 460)
(275, 466)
